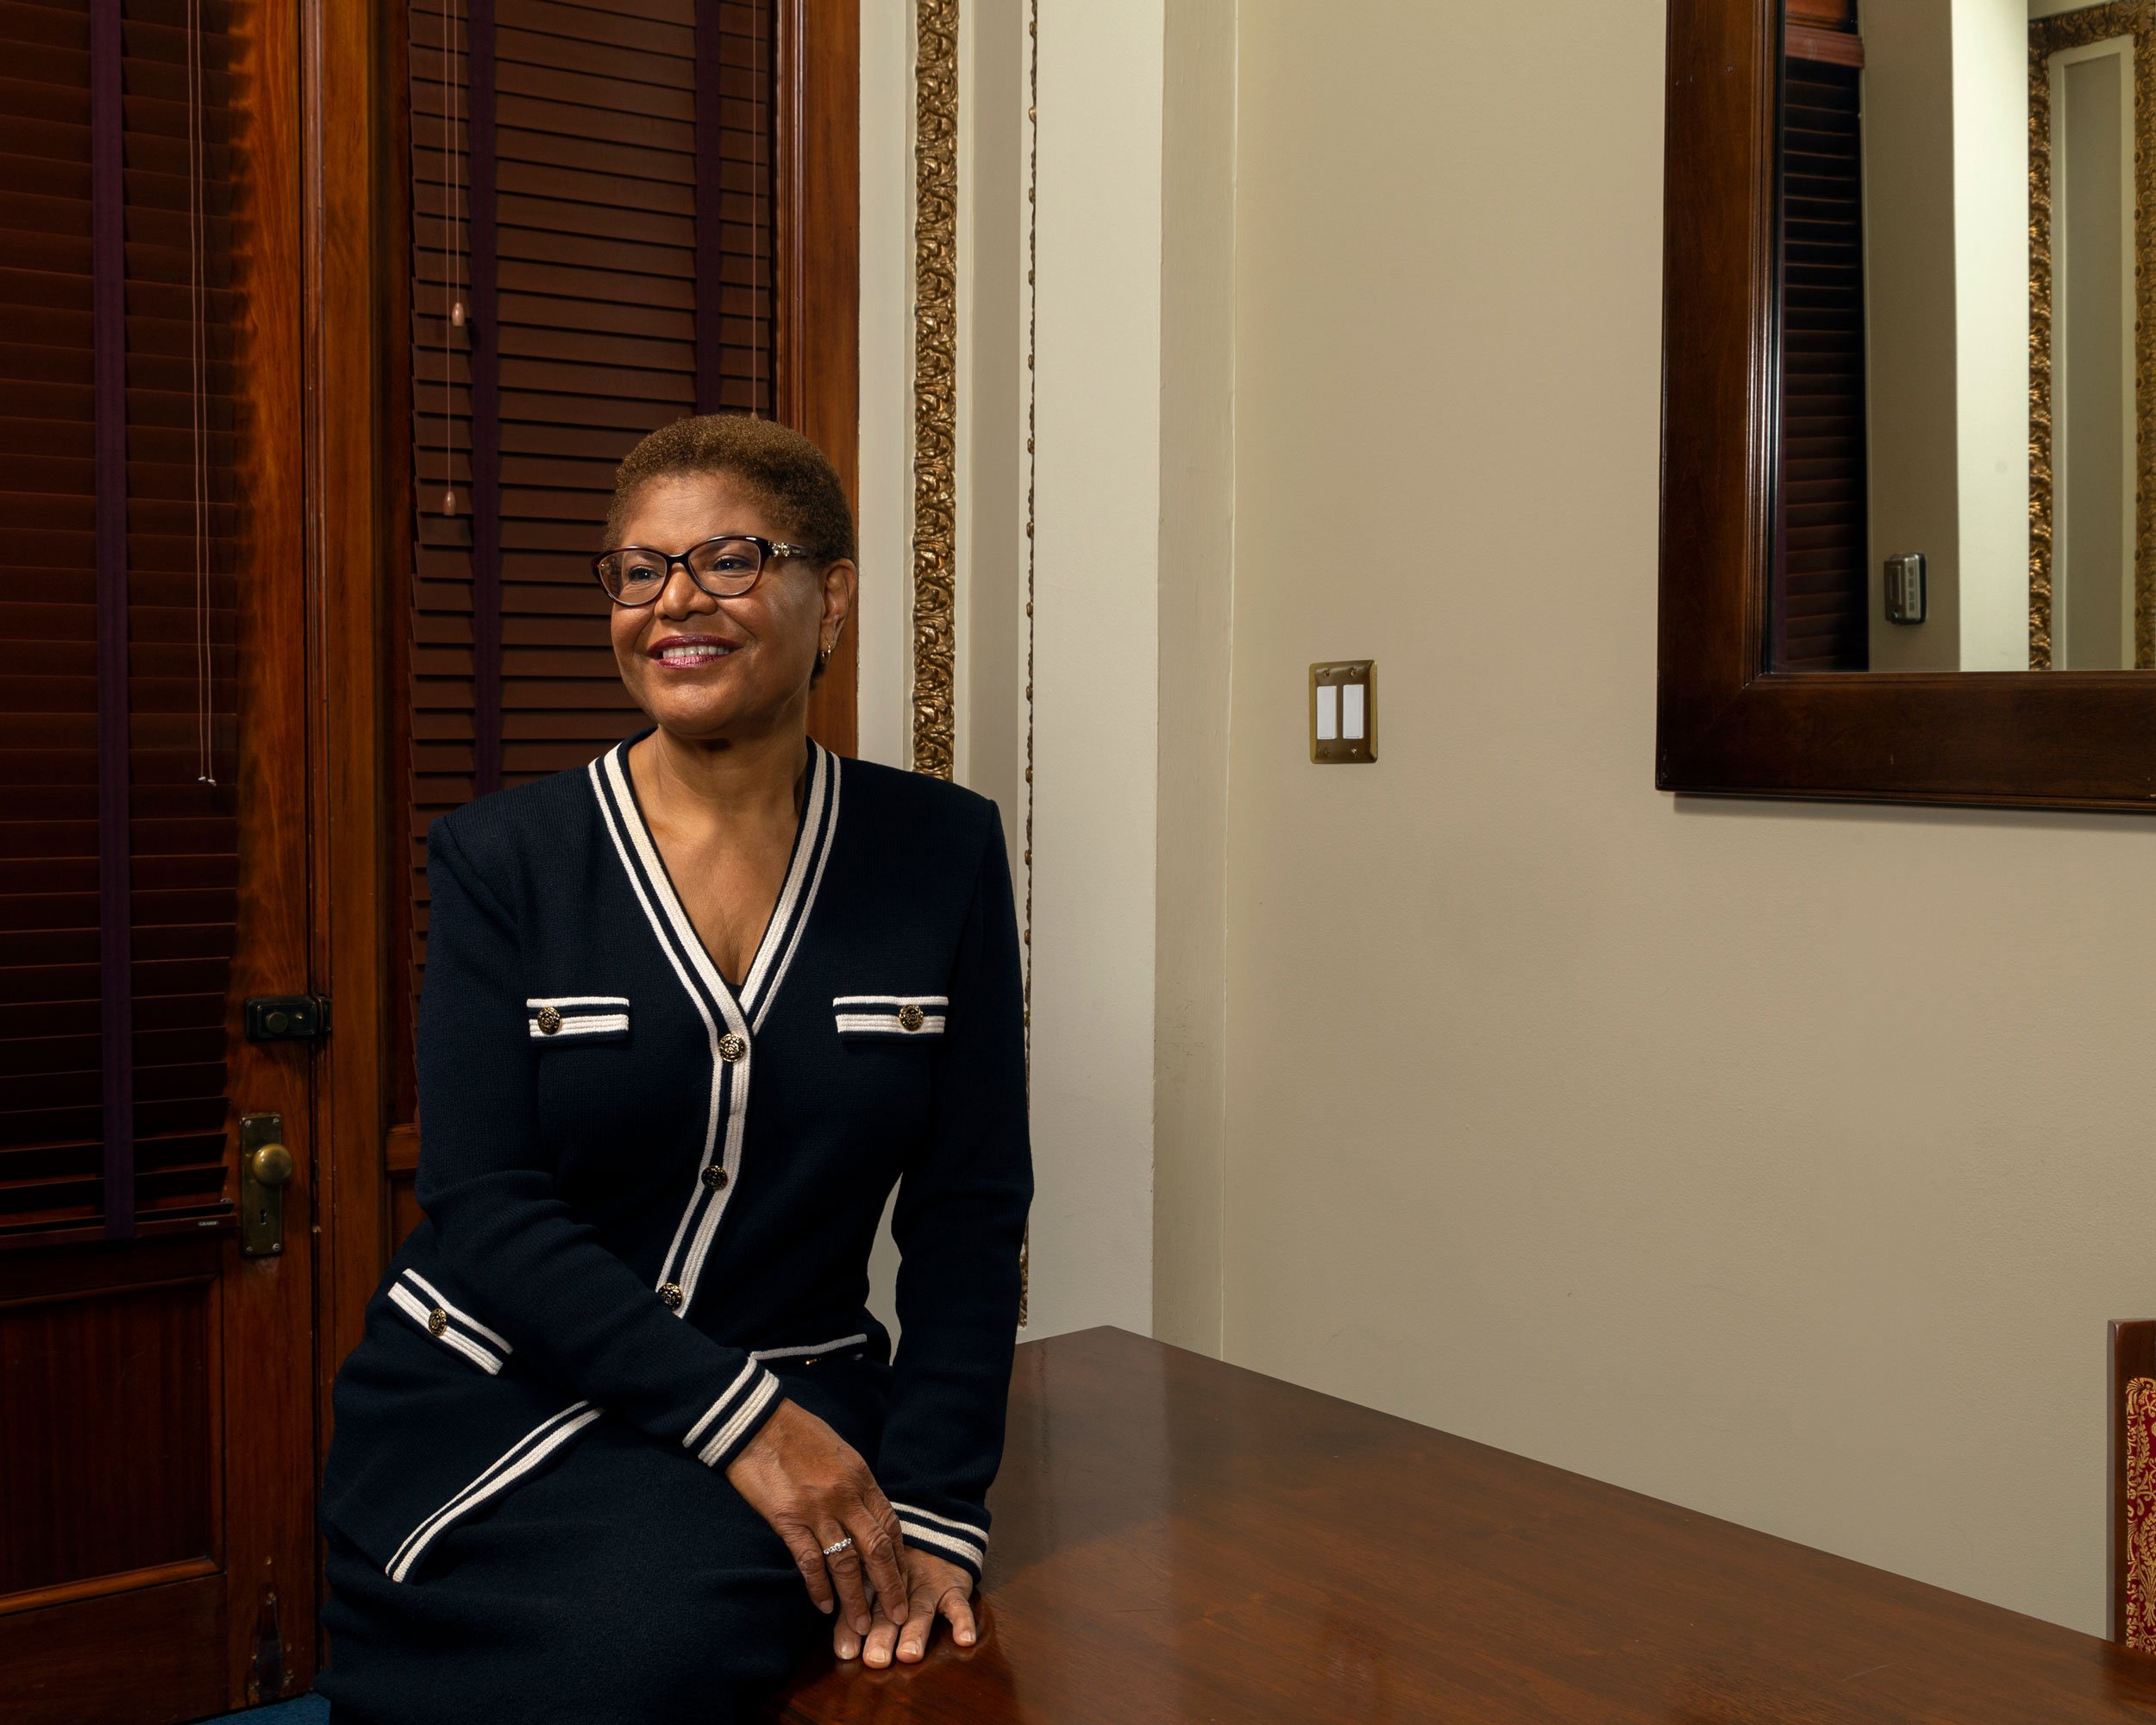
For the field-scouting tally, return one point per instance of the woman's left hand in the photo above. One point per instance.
(935, 1588)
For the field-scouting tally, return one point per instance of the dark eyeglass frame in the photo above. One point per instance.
(767, 552)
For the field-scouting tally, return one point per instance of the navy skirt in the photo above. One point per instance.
(627, 1582)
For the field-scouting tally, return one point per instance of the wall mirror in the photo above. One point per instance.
(1908, 514)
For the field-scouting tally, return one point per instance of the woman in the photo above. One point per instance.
(621, 1425)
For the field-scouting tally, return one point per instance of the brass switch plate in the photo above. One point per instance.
(1343, 712)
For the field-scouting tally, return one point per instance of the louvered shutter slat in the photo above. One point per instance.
(183, 836)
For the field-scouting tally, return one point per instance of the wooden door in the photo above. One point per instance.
(156, 1420)
(578, 275)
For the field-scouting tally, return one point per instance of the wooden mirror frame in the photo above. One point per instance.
(1727, 724)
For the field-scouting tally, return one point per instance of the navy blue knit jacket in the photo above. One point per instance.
(640, 1183)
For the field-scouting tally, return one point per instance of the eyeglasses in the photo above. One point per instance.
(726, 568)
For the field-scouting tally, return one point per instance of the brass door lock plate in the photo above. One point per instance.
(1343, 712)
(265, 1166)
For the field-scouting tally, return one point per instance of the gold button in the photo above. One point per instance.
(437, 1322)
(910, 1016)
(715, 1178)
(732, 1047)
(670, 1295)
(550, 1021)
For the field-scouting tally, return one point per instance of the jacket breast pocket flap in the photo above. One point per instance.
(890, 1018)
(566, 1020)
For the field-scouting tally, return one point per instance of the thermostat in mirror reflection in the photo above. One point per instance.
(1343, 712)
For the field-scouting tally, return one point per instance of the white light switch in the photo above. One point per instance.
(1351, 711)
(1328, 713)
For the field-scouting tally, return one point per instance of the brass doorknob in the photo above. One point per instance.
(270, 1164)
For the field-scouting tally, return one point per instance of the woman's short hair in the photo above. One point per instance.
(786, 471)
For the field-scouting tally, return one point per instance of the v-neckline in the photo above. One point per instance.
(741, 1002)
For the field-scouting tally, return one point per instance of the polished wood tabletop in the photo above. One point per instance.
(1180, 1540)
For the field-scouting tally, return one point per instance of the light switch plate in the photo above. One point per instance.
(1343, 712)
(1904, 588)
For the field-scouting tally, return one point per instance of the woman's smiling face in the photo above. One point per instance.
(703, 667)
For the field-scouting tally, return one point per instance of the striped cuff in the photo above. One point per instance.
(962, 1542)
(738, 1415)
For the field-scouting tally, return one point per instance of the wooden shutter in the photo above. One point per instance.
(1822, 618)
(182, 836)
(624, 193)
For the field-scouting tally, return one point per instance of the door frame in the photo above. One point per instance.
(2122, 48)
(352, 243)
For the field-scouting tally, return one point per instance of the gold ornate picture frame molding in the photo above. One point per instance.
(2048, 36)
(935, 382)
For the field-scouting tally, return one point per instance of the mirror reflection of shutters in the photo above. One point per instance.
(1822, 619)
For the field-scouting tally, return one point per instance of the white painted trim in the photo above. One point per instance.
(883, 629)
(1096, 663)
(962, 428)
(2119, 49)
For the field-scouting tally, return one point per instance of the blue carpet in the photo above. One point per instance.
(308, 1709)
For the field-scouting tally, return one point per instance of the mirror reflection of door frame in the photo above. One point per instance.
(2061, 151)
(2062, 38)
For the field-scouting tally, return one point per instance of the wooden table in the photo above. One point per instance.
(1180, 1540)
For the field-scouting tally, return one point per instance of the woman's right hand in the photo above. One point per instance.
(814, 1490)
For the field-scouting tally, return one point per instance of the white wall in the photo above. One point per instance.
(1197, 544)
(1782, 1161)
(1096, 660)
(1910, 349)
(1946, 125)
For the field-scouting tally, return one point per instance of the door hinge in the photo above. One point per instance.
(287, 1018)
